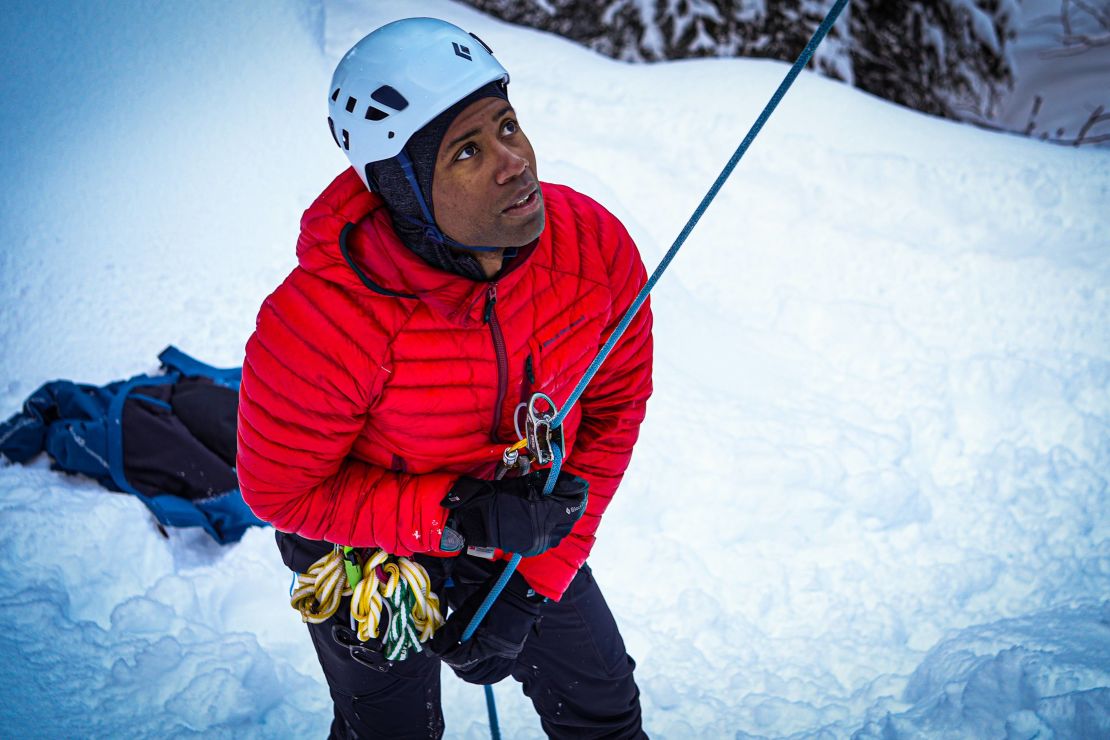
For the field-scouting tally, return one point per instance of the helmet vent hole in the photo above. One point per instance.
(346, 140)
(331, 125)
(351, 103)
(388, 96)
(375, 114)
(391, 134)
(335, 95)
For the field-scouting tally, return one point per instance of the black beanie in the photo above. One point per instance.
(388, 180)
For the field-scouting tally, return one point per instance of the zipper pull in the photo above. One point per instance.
(491, 299)
(529, 372)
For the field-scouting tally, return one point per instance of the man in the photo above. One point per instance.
(439, 285)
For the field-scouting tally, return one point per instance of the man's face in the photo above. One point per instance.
(484, 191)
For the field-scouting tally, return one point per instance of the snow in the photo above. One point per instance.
(982, 24)
(1042, 675)
(870, 494)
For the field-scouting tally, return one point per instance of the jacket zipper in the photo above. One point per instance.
(530, 378)
(502, 358)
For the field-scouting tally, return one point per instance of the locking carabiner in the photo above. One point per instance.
(538, 434)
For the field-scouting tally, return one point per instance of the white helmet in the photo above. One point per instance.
(397, 79)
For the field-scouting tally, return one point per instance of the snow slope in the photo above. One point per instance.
(870, 496)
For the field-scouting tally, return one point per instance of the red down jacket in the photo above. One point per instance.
(371, 385)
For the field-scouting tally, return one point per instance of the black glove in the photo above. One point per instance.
(488, 656)
(513, 513)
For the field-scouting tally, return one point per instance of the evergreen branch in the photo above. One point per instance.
(1101, 16)
(1096, 116)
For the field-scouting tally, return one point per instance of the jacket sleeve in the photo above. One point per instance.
(300, 411)
(612, 407)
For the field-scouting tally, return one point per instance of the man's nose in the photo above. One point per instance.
(510, 165)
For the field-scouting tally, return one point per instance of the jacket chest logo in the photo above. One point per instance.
(544, 343)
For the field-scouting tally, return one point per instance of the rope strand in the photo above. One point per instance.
(641, 297)
(414, 612)
(603, 353)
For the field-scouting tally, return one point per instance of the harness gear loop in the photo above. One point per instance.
(397, 585)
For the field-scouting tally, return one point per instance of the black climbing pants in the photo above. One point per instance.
(573, 667)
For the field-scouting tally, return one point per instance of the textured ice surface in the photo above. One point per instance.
(1040, 675)
(871, 492)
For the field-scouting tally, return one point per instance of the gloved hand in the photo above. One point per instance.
(513, 514)
(488, 656)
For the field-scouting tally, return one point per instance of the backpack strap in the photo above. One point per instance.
(115, 425)
(174, 359)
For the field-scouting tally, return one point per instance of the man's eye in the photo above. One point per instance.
(509, 127)
(466, 152)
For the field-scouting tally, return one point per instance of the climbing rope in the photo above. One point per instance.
(555, 421)
(734, 160)
(381, 583)
(317, 592)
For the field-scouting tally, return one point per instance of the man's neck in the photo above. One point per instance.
(491, 261)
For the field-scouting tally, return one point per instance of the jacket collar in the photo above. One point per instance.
(347, 237)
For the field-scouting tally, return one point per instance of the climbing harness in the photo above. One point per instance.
(554, 422)
(378, 585)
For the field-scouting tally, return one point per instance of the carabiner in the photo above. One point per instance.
(538, 432)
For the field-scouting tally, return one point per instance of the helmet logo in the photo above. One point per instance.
(462, 51)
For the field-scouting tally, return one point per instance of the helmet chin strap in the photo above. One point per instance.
(431, 231)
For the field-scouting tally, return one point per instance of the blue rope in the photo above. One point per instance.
(491, 710)
(514, 561)
(603, 353)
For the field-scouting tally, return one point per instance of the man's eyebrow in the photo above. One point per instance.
(503, 111)
(474, 132)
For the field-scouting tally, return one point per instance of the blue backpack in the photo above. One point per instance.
(81, 427)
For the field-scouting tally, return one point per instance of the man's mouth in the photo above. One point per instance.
(524, 205)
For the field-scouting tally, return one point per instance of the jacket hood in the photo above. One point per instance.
(346, 200)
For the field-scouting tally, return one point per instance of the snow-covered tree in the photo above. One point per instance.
(1080, 28)
(947, 57)
(656, 30)
(1083, 26)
